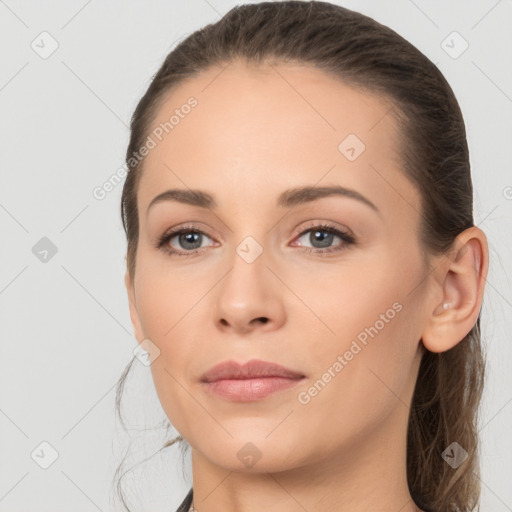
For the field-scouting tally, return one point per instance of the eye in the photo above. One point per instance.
(188, 238)
(322, 237)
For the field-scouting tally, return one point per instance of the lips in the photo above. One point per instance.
(253, 369)
(254, 380)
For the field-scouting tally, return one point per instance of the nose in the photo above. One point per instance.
(249, 298)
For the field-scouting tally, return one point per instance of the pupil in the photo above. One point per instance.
(324, 240)
(190, 237)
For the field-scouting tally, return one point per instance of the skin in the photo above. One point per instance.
(256, 132)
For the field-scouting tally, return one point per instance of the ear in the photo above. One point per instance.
(461, 282)
(134, 313)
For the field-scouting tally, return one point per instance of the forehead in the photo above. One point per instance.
(268, 128)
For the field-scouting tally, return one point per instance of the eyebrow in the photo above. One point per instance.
(287, 199)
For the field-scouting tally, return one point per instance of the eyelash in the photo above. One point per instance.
(162, 242)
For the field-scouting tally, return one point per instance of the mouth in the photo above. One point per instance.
(251, 381)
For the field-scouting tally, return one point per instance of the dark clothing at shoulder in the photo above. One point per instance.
(185, 504)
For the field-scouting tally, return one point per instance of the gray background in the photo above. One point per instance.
(65, 329)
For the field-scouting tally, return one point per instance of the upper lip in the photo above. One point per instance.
(251, 369)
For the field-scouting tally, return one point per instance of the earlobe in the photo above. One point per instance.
(462, 278)
(134, 313)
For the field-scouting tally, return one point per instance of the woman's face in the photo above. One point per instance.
(256, 278)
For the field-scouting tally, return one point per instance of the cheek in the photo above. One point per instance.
(368, 355)
(358, 384)
(167, 298)
(359, 302)
(168, 311)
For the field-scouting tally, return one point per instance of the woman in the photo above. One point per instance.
(303, 267)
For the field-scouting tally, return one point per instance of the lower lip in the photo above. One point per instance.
(249, 390)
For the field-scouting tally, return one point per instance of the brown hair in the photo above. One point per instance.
(433, 149)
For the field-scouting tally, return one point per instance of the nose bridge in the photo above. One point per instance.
(248, 276)
(250, 237)
(248, 292)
